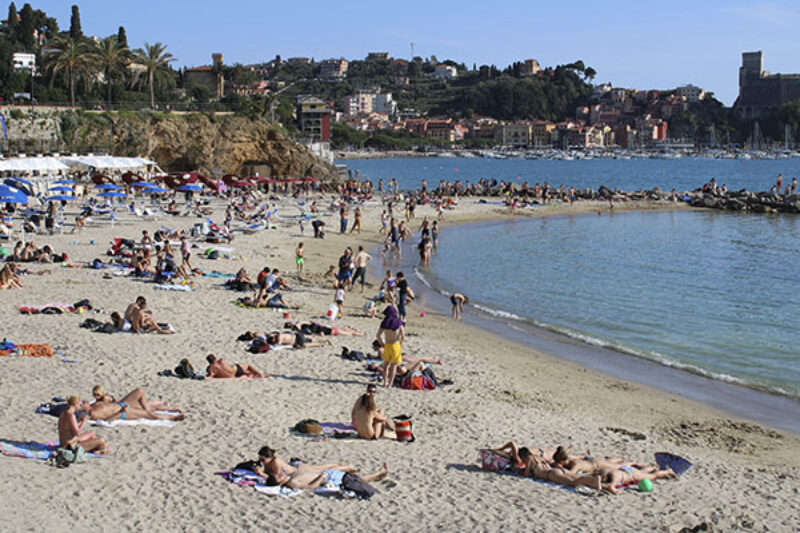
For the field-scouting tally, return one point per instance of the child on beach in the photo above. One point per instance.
(338, 299)
(299, 259)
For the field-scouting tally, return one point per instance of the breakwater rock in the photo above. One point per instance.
(758, 202)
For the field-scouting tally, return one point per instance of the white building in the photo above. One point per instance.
(383, 103)
(359, 103)
(445, 72)
(692, 93)
(24, 61)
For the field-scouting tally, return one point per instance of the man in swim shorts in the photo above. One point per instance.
(221, 369)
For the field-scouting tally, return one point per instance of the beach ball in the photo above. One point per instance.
(646, 485)
(422, 313)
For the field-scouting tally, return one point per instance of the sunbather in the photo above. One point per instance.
(588, 463)
(302, 475)
(221, 369)
(135, 397)
(141, 318)
(369, 420)
(315, 328)
(275, 301)
(8, 277)
(533, 465)
(630, 475)
(70, 427)
(122, 410)
(297, 340)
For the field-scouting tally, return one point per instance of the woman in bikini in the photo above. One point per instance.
(134, 398)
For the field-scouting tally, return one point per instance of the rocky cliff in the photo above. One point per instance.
(178, 142)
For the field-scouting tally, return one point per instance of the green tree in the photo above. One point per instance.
(12, 22)
(72, 58)
(155, 59)
(111, 57)
(75, 23)
(26, 27)
(122, 37)
(344, 136)
(590, 73)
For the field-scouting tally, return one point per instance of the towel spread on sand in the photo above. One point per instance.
(138, 422)
(174, 287)
(217, 275)
(247, 478)
(335, 430)
(32, 450)
(29, 350)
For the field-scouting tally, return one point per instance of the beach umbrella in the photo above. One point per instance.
(140, 184)
(61, 188)
(29, 183)
(65, 182)
(154, 190)
(190, 187)
(12, 195)
(59, 198)
(240, 183)
(112, 194)
(108, 186)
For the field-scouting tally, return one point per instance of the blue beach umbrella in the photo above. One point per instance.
(59, 198)
(65, 182)
(23, 180)
(11, 195)
(141, 184)
(154, 190)
(61, 188)
(108, 186)
(190, 187)
(112, 194)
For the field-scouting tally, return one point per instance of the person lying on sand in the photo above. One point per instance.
(315, 328)
(410, 365)
(304, 476)
(296, 340)
(141, 318)
(630, 475)
(136, 398)
(588, 463)
(221, 369)
(122, 410)
(533, 465)
(70, 427)
(369, 420)
(275, 301)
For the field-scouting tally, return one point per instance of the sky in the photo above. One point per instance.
(630, 44)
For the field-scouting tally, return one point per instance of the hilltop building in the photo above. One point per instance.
(530, 67)
(760, 93)
(445, 72)
(208, 76)
(333, 69)
(313, 118)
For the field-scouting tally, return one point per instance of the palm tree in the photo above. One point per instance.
(71, 58)
(111, 56)
(155, 59)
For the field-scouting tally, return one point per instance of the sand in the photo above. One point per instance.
(745, 476)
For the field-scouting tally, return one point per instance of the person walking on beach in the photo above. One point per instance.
(360, 261)
(458, 300)
(404, 294)
(393, 331)
(356, 221)
(299, 259)
(343, 277)
(384, 222)
(343, 219)
(186, 253)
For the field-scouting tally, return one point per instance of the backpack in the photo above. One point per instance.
(354, 483)
(184, 369)
(65, 456)
(309, 427)
(352, 355)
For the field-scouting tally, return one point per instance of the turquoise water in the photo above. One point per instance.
(711, 292)
(680, 174)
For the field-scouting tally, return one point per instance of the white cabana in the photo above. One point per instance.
(32, 164)
(107, 162)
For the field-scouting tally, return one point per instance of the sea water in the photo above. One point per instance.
(711, 292)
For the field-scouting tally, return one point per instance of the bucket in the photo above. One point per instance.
(402, 428)
(287, 315)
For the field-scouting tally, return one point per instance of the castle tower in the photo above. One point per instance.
(217, 62)
(752, 67)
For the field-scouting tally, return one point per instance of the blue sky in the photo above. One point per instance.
(630, 44)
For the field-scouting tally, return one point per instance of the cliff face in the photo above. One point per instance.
(179, 142)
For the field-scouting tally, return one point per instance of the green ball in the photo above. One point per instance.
(646, 485)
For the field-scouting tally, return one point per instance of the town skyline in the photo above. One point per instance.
(695, 44)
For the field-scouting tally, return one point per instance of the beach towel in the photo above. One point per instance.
(248, 478)
(678, 464)
(216, 274)
(29, 350)
(331, 430)
(138, 422)
(174, 287)
(33, 450)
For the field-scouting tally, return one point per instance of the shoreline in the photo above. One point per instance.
(774, 409)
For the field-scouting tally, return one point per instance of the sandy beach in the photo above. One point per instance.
(745, 476)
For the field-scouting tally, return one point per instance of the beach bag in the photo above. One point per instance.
(309, 427)
(65, 456)
(353, 355)
(354, 483)
(402, 428)
(493, 461)
(421, 382)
